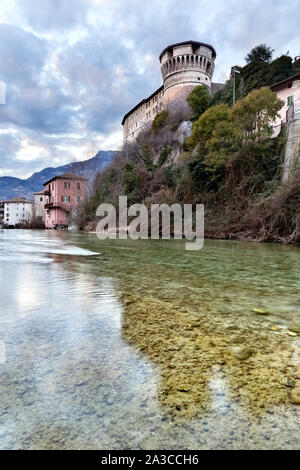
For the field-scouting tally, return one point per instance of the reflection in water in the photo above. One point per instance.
(28, 293)
(219, 390)
(146, 345)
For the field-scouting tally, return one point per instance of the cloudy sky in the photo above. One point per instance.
(73, 68)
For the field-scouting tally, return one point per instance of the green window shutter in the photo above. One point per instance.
(290, 100)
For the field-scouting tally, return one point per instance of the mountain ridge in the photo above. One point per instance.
(10, 186)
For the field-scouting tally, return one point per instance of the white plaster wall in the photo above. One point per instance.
(17, 212)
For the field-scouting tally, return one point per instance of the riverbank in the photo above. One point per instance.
(274, 219)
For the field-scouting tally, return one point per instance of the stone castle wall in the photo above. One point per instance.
(142, 114)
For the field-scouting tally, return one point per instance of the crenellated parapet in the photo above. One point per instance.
(187, 62)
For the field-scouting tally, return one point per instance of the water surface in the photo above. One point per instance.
(141, 344)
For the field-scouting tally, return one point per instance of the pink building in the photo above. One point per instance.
(63, 195)
(288, 91)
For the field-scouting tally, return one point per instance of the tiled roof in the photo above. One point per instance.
(18, 200)
(67, 176)
(40, 192)
(141, 102)
(194, 43)
(286, 81)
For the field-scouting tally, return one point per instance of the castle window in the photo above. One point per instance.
(290, 100)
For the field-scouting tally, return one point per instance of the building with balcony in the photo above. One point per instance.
(288, 91)
(63, 194)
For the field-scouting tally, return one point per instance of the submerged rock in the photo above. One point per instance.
(295, 329)
(260, 311)
(288, 382)
(243, 353)
(295, 395)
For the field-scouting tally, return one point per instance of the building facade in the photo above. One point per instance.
(288, 91)
(39, 205)
(1, 213)
(17, 211)
(184, 65)
(63, 194)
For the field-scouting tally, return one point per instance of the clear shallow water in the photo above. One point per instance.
(140, 344)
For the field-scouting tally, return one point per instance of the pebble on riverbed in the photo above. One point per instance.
(295, 395)
(260, 311)
(243, 353)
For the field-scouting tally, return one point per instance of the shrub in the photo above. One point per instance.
(262, 53)
(160, 120)
(199, 100)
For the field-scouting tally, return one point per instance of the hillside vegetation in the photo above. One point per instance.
(228, 162)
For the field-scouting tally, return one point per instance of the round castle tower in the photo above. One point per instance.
(185, 65)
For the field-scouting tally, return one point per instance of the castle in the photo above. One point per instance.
(184, 65)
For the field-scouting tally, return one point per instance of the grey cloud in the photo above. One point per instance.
(52, 15)
(57, 87)
(22, 54)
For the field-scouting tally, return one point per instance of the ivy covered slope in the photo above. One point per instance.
(228, 161)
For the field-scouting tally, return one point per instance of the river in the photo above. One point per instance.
(143, 345)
